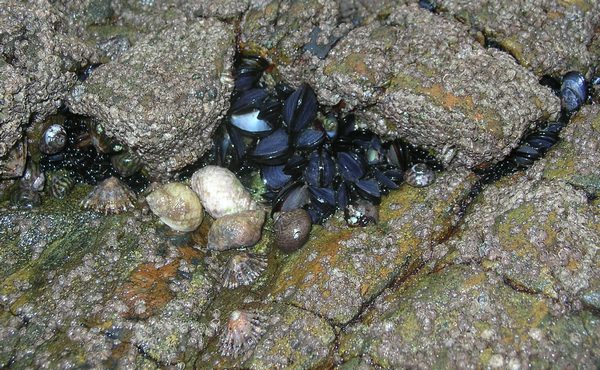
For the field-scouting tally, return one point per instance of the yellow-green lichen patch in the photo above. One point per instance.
(353, 64)
(448, 312)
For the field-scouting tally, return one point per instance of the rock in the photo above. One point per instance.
(463, 317)
(165, 95)
(14, 114)
(539, 235)
(563, 30)
(76, 285)
(338, 271)
(36, 69)
(220, 192)
(477, 100)
(291, 338)
(297, 339)
(576, 158)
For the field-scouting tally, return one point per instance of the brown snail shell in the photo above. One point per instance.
(292, 229)
(238, 230)
(177, 206)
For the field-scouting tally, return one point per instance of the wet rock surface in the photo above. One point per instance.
(463, 317)
(457, 274)
(338, 271)
(164, 96)
(563, 37)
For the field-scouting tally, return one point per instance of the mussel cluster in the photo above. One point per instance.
(310, 158)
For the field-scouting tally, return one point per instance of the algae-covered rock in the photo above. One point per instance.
(165, 95)
(576, 158)
(541, 236)
(289, 337)
(297, 338)
(80, 284)
(464, 317)
(339, 270)
(550, 37)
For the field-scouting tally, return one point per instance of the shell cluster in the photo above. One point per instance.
(78, 149)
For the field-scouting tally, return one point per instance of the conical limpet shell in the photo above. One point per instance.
(242, 332)
(177, 206)
(111, 196)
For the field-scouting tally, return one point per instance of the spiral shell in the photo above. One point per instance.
(53, 139)
(60, 183)
(292, 229)
(220, 191)
(177, 206)
(126, 164)
(242, 332)
(238, 230)
(243, 269)
(111, 196)
(419, 175)
(25, 198)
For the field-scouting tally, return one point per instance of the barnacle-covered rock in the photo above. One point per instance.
(421, 77)
(163, 96)
(111, 196)
(13, 163)
(36, 68)
(177, 206)
(242, 332)
(243, 269)
(549, 37)
(237, 230)
(292, 229)
(221, 192)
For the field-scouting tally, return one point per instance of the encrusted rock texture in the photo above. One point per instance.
(37, 64)
(504, 277)
(163, 97)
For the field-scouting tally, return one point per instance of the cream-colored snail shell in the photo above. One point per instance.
(220, 191)
(177, 206)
